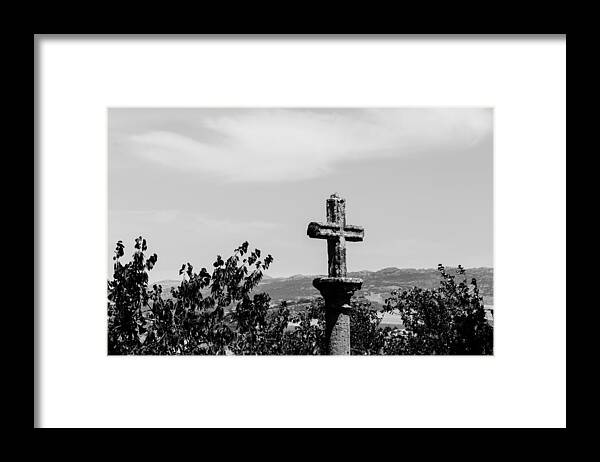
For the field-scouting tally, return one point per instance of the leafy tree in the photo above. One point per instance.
(366, 338)
(447, 320)
(308, 335)
(202, 316)
(127, 297)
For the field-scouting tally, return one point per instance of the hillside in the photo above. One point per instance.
(377, 285)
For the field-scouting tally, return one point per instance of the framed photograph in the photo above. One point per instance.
(287, 219)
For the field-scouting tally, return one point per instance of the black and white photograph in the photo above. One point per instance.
(304, 231)
(299, 231)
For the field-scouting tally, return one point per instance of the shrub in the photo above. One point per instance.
(447, 320)
(366, 338)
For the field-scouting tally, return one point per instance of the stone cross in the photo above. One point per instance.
(337, 289)
(337, 232)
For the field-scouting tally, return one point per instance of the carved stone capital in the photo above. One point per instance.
(337, 292)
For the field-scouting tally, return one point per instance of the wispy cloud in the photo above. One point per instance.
(286, 145)
(198, 221)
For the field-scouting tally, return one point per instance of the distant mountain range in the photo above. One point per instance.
(377, 285)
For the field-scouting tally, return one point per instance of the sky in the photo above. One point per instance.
(198, 182)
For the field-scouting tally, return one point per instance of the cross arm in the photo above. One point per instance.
(352, 233)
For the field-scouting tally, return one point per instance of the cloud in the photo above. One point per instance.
(286, 145)
(191, 220)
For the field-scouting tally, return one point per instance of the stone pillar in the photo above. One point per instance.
(337, 330)
(337, 293)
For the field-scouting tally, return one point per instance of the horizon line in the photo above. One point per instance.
(361, 271)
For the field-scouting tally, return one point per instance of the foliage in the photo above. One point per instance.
(366, 338)
(447, 320)
(308, 337)
(210, 313)
(216, 313)
(127, 297)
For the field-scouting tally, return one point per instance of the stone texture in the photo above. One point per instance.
(337, 289)
(337, 331)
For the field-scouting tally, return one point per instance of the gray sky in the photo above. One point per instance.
(198, 182)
